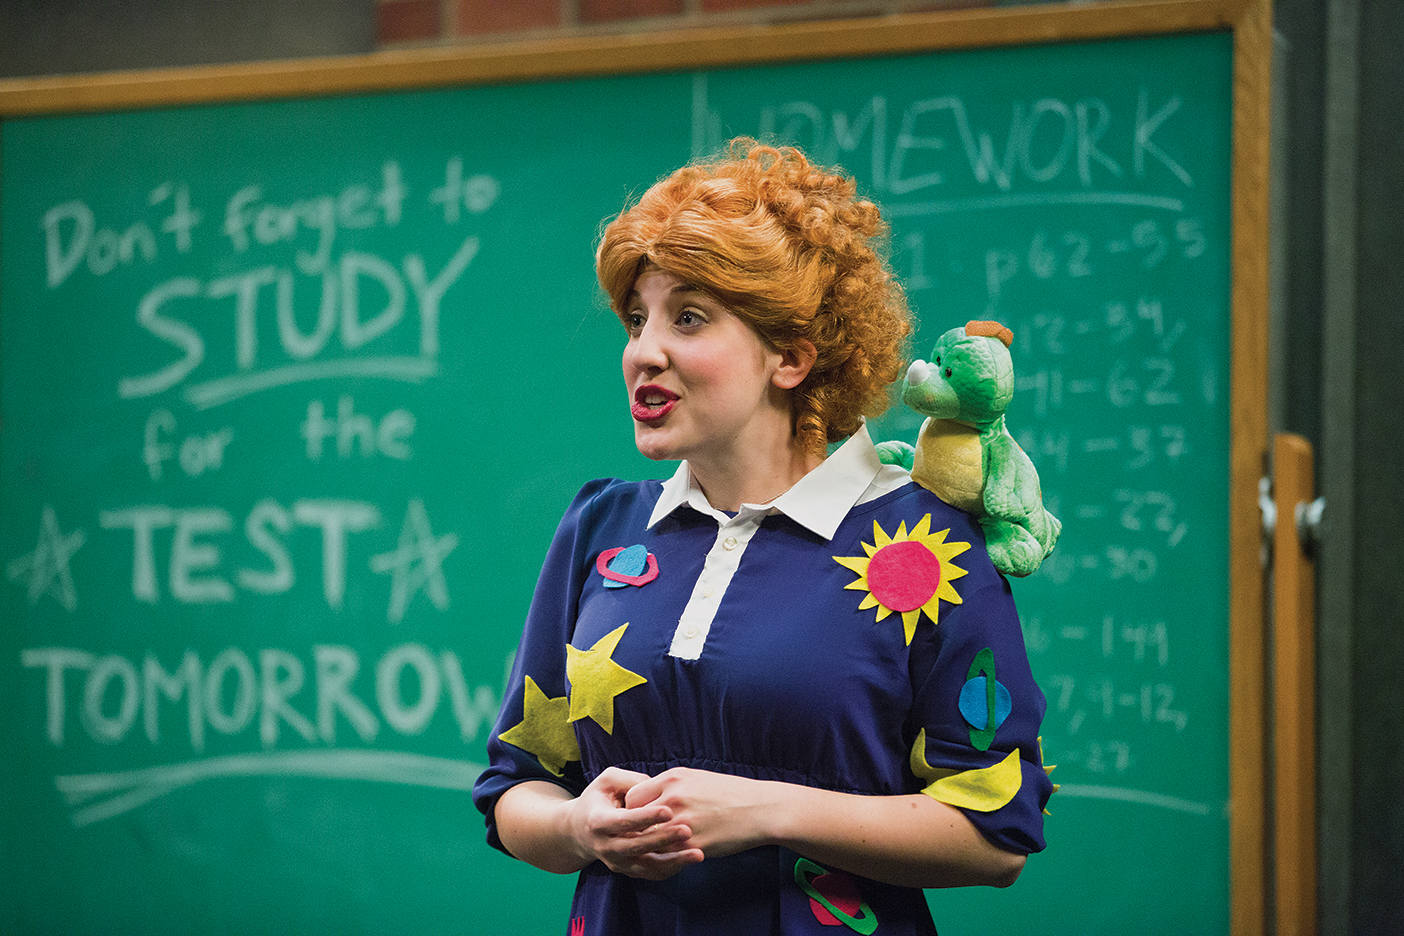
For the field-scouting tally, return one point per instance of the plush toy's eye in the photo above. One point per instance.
(948, 373)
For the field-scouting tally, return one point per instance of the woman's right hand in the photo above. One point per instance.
(543, 824)
(642, 842)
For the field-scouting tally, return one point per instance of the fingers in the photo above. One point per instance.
(654, 852)
(726, 813)
(619, 822)
(643, 792)
(650, 789)
(656, 826)
(657, 866)
(615, 782)
(661, 838)
(642, 840)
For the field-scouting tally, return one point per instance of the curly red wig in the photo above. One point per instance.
(789, 248)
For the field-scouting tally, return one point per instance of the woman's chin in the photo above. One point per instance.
(652, 445)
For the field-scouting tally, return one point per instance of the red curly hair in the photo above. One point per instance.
(787, 247)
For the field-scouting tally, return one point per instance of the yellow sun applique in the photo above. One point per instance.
(907, 573)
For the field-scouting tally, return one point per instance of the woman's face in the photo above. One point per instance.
(702, 384)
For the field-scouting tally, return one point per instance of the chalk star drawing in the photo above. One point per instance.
(46, 568)
(417, 563)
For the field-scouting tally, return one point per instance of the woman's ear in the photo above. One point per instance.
(794, 365)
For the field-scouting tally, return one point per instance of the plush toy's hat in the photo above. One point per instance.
(978, 329)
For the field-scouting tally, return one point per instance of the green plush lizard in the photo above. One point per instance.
(965, 455)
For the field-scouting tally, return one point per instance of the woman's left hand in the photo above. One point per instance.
(727, 814)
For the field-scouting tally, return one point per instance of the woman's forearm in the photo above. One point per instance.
(908, 840)
(531, 822)
(912, 841)
(653, 827)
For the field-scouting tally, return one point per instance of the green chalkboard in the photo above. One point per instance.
(294, 389)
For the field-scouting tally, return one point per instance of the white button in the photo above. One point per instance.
(690, 631)
(729, 542)
(708, 591)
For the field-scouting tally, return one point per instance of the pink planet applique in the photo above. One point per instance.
(834, 898)
(839, 889)
(907, 573)
(904, 575)
(627, 565)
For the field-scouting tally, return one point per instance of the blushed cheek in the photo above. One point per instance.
(722, 368)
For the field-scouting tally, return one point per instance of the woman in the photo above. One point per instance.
(780, 691)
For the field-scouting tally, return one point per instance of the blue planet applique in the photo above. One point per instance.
(972, 703)
(984, 701)
(631, 565)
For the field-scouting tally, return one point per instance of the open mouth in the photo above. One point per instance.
(652, 403)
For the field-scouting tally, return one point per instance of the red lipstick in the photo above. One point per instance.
(652, 403)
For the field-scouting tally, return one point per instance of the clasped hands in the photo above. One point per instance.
(653, 827)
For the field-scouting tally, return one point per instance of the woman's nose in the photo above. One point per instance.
(647, 351)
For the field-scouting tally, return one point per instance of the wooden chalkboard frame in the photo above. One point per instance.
(578, 56)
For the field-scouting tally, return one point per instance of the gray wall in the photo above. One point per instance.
(49, 37)
(1341, 285)
(1339, 341)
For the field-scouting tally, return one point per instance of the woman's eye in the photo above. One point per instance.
(634, 322)
(688, 318)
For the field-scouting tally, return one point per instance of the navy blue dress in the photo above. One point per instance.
(885, 660)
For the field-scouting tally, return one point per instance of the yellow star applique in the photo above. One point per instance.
(595, 679)
(544, 730)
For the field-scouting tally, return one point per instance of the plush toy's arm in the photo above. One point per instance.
(1011, 481)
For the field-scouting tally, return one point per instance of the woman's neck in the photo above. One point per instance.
(757, 477)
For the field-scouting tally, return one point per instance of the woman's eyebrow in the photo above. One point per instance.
(689, 290)
(682, 289)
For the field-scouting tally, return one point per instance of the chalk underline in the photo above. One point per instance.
(224, 389)
(1139, 797)
(1032, 200)
(123, 791)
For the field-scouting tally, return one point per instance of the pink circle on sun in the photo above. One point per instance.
(903, 576)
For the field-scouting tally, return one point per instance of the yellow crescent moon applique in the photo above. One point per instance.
(907, 573)
(982, 789)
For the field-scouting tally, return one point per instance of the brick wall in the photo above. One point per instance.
(402, 23)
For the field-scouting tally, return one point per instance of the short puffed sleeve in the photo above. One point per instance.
(976, 717)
